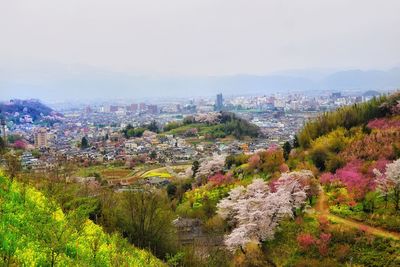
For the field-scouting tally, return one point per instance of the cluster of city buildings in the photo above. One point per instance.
(278, 116)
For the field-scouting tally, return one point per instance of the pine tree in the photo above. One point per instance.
(287, 147)
(84, 143)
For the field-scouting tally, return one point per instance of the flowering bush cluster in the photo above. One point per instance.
(269, 161)
(220, 179)
(378, 144)
(384, 123)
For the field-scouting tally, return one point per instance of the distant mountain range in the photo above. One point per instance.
(58, 84)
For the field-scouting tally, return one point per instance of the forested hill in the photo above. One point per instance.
(35, 232)
(214, 125)
(349, 116)
(17, 110)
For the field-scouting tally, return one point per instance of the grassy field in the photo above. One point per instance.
(145, 171)
(163, 172)
(158, 174)
(105, 172)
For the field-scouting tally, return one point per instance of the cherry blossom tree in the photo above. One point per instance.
(388, 181)
(209, 118)
(383, 185)
(256, 211)
(227, 206)
(210, 166)
(297, 183)
(393, 174)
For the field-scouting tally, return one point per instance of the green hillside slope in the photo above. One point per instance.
(35, 232)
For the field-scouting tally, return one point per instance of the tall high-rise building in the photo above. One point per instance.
(153, 109)
(113, 108)
(142, 106)
(219, 102)
(41, 138)
(133, 108)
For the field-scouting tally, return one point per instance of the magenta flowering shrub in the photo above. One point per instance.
(379, 144)
(384, 123)
(352, 177)
(20, 144)
(220, 179)
(326, 178)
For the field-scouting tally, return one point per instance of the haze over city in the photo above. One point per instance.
(68, 50)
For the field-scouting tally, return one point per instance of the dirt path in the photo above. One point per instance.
(322, 208)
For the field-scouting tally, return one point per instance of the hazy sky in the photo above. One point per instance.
(200, 37)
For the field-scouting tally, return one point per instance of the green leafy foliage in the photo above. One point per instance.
(228, 124)
(130, 131)
(35, 232)
(201, 202)
(347, 117)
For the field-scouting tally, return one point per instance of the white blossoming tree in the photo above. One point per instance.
(393, 174)
(383, 185)
(210, 166)
(255, 212)
(209, 118)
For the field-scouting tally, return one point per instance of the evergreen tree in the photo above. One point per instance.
(296, 142)
(2, 145)
(287, 147)
(195, 167)
(153, 155)
(84, 143)
(153, 127)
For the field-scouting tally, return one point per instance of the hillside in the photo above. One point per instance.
(332, 201)
(356, 150)
(213, 125)
(329, 198)
(35, 232)
(22, 111)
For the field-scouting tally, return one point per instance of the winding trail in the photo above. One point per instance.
(322, 208)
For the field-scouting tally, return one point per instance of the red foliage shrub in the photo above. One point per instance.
(323, 243)
(352, 203)
(305, 241)
(254, 161)
(271, 161)
(283, 168)
(326, 178)
(323, 223)
(384, 123)
(219, 179)
(375, 146)
(357, 183)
